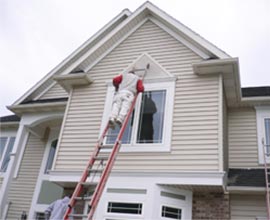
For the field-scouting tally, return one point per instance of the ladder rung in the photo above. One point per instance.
(83, 198)
(95, 170)
(101, 158)
(111, 135)
(106, 146)
(89, 183)
(78, 215)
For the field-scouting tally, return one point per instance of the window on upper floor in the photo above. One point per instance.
(146, 129)
(263, 132)
(51, 156)
(6, 146)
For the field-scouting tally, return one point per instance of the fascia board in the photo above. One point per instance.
(10, 124)
(191, 35)
(256, 100)
(66, 61)
(178, 178)
(221, 63)
(245, 190)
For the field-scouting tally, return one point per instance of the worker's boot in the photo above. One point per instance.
(112, 123)
(119, 122)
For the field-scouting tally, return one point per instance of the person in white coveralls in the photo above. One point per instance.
(57, 209)
(126, 86)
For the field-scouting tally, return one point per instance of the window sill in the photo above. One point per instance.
(144, 148)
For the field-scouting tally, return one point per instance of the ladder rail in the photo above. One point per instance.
(104, 177)
(265, 154)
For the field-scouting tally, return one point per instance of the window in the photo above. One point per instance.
(6, 146)
(263, 132)
(146, 129)
(125, 208)
(170, 212)
(40, 216)
(51, 156)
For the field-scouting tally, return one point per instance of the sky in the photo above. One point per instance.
(35, 35)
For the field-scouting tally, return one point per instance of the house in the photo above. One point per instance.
(204, 159)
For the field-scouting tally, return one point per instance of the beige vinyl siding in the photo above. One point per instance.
(54, 92)
(247, 207)
(22, 188)
(243, 149)
(195, 121)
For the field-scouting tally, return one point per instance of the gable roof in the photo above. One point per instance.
(93, 50)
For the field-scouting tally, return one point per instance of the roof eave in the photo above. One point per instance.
(229, 68)
(245, 190)
(13, 124)
(37, 107)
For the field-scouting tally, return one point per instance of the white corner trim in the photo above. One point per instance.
(220, 124)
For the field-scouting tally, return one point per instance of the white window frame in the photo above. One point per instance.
(171, 206)
(164, 84)
(7, 135)
(185, 205)
(262, 112)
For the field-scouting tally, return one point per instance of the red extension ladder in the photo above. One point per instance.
(266, 155)
(97, 164)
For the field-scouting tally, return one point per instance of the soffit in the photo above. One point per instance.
(229, 68)
(196, 188)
